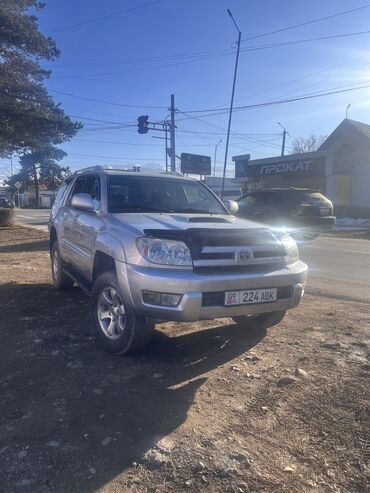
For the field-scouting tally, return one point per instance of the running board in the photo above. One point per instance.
(78, 278)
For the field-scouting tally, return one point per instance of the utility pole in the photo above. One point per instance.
(172, 133)
(214, 162)
(166, 128)
(144, 125)
(166, 143)
(284, 137)
(231, 103)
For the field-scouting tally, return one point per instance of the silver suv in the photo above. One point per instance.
(154, 247)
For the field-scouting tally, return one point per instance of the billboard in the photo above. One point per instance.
(195, 164)
(304, 167)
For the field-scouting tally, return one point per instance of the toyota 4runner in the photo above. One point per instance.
(154, 247)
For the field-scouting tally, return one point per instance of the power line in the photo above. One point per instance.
(144, 69)
(233, 133)
(222, 111)
(213, 57)
(116, 158)
(306, 23)
(306, 76)
(223, 133)
(95, 100)
(107, 16)
(129, 124)
(115, 143)
(305, 40)
(209, 52)
(163, 58)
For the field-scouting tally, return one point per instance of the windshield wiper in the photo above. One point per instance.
(195, 211)
(141, 209)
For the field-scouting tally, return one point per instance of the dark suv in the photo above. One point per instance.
(306, 210)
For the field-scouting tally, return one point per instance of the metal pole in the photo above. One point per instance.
(284, 137)
(172, 129)
(166, 142)
(283, 145)
(231, 105)
(12, 174)
(214, 162)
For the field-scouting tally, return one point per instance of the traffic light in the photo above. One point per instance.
(142, 124)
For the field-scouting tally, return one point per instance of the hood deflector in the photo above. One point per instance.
(197, 238)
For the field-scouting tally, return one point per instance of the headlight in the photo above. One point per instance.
(164, 252)
(290, 247)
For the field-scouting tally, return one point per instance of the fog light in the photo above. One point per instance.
(152, 298)
(161, 299)
(170, 299)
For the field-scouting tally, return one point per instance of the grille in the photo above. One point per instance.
(215, 247)
(216, 298)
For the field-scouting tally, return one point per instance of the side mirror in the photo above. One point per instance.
(82, 201)
(231, 206)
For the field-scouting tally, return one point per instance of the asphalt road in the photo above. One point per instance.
(35, 218)
(338, 267)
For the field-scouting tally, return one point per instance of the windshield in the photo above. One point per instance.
(160, 194)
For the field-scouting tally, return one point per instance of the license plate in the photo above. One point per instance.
(324, 211)
(250, 296)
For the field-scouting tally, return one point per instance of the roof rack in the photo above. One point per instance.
(104, 168)
(89, 168)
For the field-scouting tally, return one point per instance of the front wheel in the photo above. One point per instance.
(261, 321)
(116, 329)
(60, 278)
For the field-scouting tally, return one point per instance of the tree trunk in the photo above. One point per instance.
(36, 183)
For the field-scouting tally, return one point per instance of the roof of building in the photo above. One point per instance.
(364, 127)
(361, 127)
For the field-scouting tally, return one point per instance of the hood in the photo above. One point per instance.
(141, 222)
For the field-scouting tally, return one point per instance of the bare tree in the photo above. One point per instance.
(307, 144)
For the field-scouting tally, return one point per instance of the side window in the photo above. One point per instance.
(88, 184)
(248, 201)
(62, 191)
(196, 195)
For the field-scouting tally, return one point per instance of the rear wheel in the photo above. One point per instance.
(261, 321)
(60, 278)
(116, 328)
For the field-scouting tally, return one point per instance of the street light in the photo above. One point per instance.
(214, 162)
(284, 136)
(231, 102)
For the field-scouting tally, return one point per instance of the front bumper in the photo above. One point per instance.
(134, 280)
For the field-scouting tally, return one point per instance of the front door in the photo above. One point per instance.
(81, 227)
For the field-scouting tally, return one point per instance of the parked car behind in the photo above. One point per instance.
(6, 203)
(305, 210)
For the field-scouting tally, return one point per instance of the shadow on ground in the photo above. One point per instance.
(68, 408)
(33, 246)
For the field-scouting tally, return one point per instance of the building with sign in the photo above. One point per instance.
(340, 168)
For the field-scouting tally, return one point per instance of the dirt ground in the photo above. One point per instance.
(204, 408)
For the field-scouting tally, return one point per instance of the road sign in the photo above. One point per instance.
(18, 184)
(195, 164)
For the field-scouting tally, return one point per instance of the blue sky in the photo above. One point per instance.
(140, 57)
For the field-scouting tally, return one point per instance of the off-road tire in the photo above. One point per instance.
(137, 331)
(260, 322)
(60, 278)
